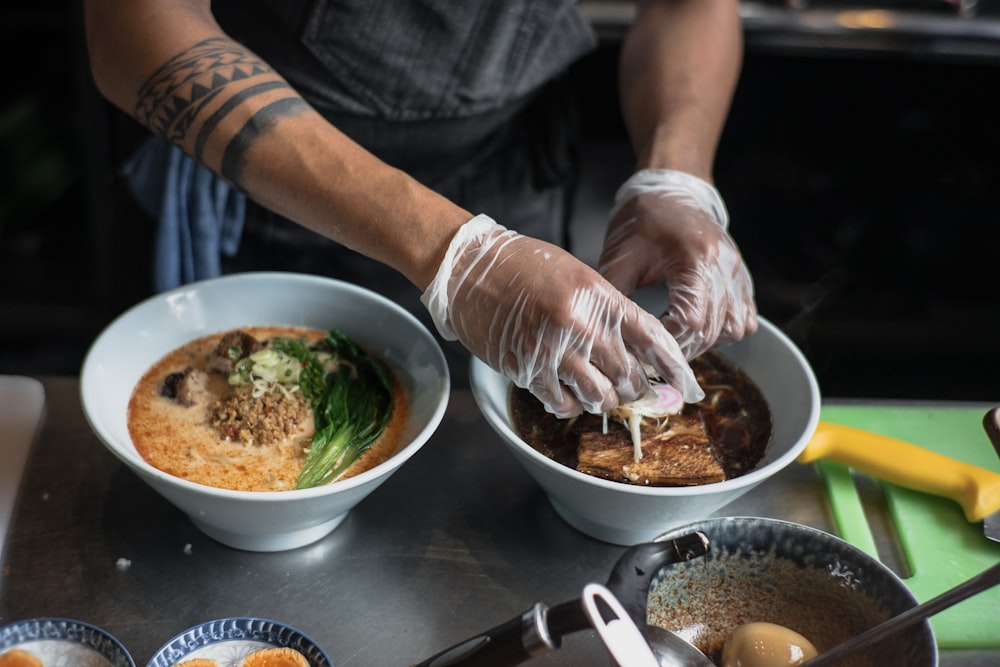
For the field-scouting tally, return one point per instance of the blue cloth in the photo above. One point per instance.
(199, 215)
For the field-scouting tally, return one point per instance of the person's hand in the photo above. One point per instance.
(669, 228)
(550, 323)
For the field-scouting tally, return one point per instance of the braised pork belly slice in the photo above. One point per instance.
(676, 457)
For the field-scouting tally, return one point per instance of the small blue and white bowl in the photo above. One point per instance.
(229, 640)
(64, 641)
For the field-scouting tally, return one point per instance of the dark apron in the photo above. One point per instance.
(466, 96)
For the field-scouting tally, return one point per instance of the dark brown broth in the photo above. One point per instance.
(732, 425)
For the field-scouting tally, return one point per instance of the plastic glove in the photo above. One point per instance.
(550, 323)
(669, 228)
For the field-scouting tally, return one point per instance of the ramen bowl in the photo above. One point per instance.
(262, 520)
(797, 577)
(626, 514)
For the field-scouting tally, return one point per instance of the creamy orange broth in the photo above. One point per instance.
(180, 441)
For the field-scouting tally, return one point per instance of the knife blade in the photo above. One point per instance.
(975, 489)
(991, 423)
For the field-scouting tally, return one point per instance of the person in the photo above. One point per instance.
(433, 138)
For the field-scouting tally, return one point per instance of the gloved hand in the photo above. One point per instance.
(550, 323)
(669, 228)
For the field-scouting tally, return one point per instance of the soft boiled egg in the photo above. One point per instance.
(761, 644)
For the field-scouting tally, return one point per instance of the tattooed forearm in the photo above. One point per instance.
(232, 160)
(227, 107)
(178, 90)
(199, 88)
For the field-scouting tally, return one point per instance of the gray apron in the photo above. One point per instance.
(466, 96)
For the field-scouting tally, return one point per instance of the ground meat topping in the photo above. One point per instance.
(264, 420)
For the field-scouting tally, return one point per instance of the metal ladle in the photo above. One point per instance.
(672, 650)
(542, 628)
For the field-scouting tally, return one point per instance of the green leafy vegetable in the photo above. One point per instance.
(350, 412)
(311, 374)
(349, 391)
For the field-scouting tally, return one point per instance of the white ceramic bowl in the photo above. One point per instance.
(262, 521)
(628, 514)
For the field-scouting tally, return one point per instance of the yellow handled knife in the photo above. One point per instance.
(975, 489)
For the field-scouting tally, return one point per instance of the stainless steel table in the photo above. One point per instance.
(459, 540)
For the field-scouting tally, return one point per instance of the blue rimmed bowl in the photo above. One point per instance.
(229, 640)
(65, 641)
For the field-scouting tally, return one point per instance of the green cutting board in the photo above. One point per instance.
(941, 548)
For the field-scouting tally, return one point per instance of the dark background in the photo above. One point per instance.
(863, 187)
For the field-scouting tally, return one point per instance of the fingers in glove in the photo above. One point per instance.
(554, 396)
(548, 322)
(712, 306)
(593, 369)
(653, 344)
(606, 348)
(669, 229)
(584, 389)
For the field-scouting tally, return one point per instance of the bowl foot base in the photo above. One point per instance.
(270, 542)
(609, 534)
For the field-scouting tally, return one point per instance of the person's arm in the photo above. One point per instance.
(529, 309)
(169, 65)
(679, 66)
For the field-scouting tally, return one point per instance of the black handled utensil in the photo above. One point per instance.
(541, 629)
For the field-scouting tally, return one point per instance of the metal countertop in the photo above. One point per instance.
(458, 541)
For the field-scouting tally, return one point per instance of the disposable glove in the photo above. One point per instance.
(669, 228)
(550, 323)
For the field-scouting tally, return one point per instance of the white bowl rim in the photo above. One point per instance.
(290, 495)
(747, 480)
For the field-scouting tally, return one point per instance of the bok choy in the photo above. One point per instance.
(349, 391)
(351, 405)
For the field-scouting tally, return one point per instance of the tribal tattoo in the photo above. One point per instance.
(213, 72)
